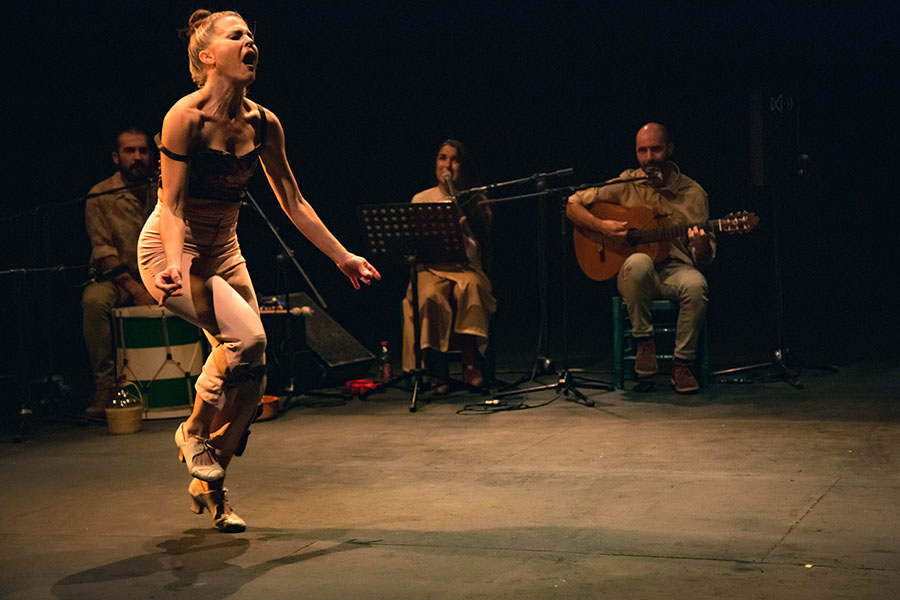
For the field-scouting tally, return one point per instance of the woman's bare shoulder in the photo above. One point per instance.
(182, 121)
(185, 111)
(275, 132)
(255, 109)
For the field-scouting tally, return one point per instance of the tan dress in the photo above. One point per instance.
(453, 298)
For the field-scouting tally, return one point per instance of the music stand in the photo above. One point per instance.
(412, 233)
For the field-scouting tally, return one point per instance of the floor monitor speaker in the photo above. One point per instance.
(306, 347)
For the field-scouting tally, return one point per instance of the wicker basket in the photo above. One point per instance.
(124, 420)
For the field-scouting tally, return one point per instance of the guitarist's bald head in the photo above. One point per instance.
(655, 129)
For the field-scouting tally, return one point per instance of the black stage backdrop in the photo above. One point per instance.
(366, 90)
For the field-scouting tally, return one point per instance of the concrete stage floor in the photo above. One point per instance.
(743, 491)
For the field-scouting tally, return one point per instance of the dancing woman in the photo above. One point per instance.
(189, 255)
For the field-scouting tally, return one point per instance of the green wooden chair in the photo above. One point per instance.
(664, 315)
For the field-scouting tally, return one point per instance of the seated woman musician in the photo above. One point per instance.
(454, 299)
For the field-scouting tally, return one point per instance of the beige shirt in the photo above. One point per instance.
(114, 221)
(683, 201)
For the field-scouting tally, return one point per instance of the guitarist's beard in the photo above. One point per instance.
(654, 175)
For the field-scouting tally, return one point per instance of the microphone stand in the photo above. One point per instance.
(37, 209)
(566, 383)
(24, 367)
(570, 189)
(288, 252)
(541, 362)
(540, 180)
(781, 361)
(24, 426)
(281, 279)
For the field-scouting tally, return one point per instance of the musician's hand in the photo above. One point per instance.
(699, 243)
(612, 228)
(169, 281)
(358, 269)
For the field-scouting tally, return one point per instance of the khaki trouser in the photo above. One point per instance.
(640, 283)
(97, 303)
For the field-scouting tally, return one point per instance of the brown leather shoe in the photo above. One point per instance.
(682, 378)
(473, 375)
(439, 387)
(471, 360)
(100, 401)
(645, 363)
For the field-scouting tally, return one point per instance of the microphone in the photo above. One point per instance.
(654, 176)
(448, 180)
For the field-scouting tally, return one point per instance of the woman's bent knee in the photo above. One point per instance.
(254, 350)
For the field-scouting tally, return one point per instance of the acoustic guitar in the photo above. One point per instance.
(601, 257)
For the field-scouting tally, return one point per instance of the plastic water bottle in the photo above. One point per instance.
(384, 362)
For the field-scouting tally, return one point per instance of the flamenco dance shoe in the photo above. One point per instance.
(216, 502)
(197, 454)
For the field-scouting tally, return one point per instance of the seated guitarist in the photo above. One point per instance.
(676, 277)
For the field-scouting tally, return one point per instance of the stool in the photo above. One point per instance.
(664, 316)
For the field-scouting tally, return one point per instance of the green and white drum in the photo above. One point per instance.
(162, 354)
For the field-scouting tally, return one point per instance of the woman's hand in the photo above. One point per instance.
(471, 244)
(358, 269)
(169, 282)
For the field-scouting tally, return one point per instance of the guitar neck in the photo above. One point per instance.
(670, 232)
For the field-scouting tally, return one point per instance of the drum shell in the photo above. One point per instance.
(161, 353)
